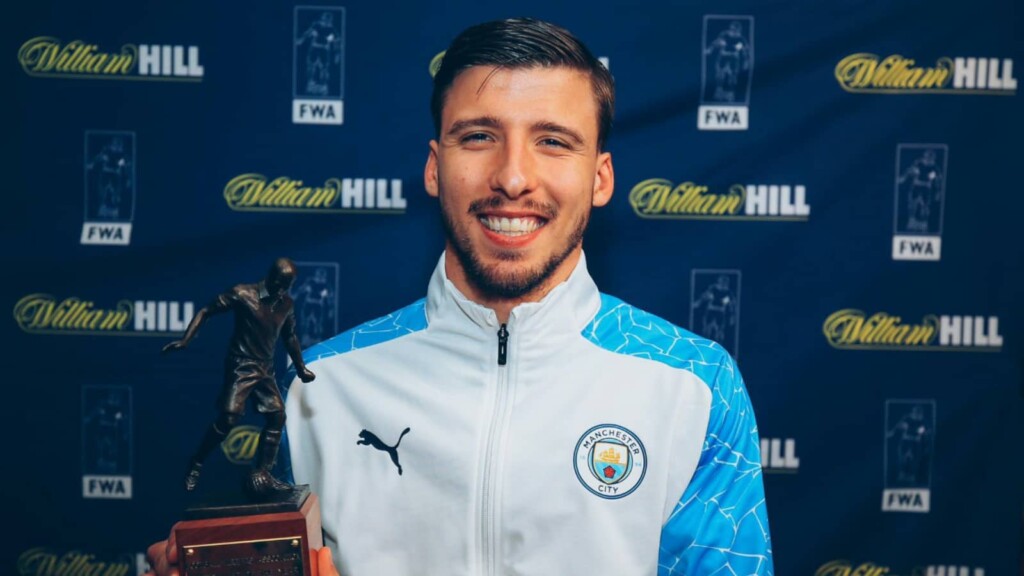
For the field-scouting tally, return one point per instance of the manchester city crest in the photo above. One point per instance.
(610, 461)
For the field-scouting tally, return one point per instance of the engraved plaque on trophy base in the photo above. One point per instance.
(271, 537)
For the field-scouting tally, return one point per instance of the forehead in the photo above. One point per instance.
(545, 94)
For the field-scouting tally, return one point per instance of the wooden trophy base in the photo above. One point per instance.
(269, 537)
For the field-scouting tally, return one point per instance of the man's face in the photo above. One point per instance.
(279, 284)
(517, 170)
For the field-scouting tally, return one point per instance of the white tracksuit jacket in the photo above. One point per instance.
(593, 438)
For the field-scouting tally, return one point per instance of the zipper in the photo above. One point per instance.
(495, 436)
(503, 345)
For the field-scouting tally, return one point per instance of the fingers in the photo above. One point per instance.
(325, 562)
(163, 557)
(172, 546)
(158, 561)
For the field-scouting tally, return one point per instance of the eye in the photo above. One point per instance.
(553, 142)
(475, 137)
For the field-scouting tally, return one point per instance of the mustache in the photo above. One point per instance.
(549, 211)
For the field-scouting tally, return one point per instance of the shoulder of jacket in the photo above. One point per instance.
(402, 322)
(625, 329)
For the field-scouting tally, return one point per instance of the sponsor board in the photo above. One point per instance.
(852, 329)
(318, 66)
(47, 314)
(107, 442)
(110, 189)
(869, 73)
(727, 70)
(50, 57)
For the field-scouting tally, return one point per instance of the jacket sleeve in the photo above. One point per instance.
(720, 524)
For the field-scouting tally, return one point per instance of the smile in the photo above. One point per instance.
(512, 226)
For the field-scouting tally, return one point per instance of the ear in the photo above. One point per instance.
(604, 180)
(430, 171)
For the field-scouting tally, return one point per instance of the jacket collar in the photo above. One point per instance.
(567, 308)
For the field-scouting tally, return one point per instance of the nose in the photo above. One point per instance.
(515, 173)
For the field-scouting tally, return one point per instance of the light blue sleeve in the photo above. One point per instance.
(720, 524)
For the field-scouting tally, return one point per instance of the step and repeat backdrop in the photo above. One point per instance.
(830, 190)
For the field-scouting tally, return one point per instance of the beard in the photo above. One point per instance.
(490, 280)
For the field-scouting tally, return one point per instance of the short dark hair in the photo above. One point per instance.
(282, 268)
(524, 43)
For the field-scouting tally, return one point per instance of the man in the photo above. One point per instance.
(262, 311)
(545, 428)
(719, 309)
(923, 192)
(732, 56)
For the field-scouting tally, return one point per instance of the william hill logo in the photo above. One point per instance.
(847, 568)
(660, 198)
(48, 57)
(46, 562)
(435, 63)
(778, 455)
(45, 314)
(256, 192)
(896, 74)
(854, 330)
(241, 444)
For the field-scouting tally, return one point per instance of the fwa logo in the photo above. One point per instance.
(896, 74)
(727, 70)
(109, 167)
(715, 308)
(778, 456)
(46, 314)
(256, 192)
(909, 449)
(318, 67)
(107, 442)
(43, 561)
(920, 193)
(661, 198)
(610, 461)
(852, 329)
(49, 57)
(240, 445)
(316, 302)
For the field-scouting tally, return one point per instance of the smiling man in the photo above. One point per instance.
(517, 167)
(516, 420)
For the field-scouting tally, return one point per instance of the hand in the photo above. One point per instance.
(305, 374)
(163, 557)
(323, 563)
(176, 345)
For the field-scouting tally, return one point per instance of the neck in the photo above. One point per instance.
(502, 307)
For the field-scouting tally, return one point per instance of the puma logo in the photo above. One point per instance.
(370, 439)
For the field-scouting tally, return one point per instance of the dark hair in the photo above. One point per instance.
(282, 267)
(524, 43)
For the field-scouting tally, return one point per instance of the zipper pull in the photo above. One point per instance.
(502, 345)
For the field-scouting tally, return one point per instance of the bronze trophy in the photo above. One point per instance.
(271, 526)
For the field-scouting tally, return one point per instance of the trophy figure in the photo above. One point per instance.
(278, 523)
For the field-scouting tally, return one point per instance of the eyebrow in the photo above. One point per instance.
(479, 122)
(559, 129)
(492, 122)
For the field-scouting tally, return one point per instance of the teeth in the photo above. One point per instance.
(511, 226)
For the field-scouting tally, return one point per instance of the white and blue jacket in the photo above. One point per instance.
(586, 437)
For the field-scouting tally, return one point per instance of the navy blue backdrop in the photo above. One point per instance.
(829, 189)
